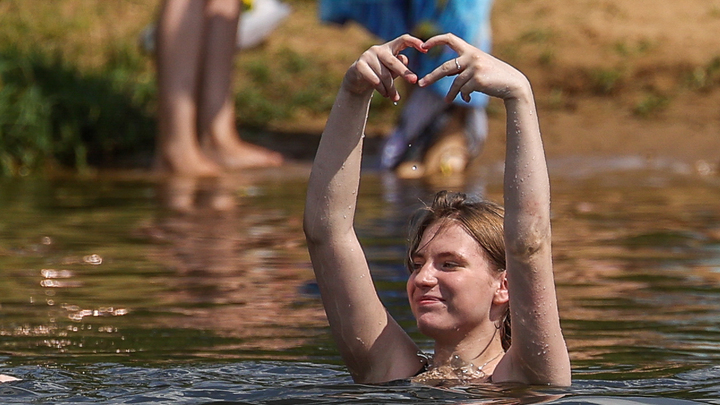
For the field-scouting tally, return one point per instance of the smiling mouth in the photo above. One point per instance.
(429, 300)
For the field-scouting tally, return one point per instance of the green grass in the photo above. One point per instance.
(650, 105)
(72, 92)
(265, 96)
(606, 81)
(51, 112)
(705, 77)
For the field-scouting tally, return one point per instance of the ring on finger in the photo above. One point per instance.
(457, 64)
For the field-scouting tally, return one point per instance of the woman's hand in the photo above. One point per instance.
(476, 71)
(380, 65)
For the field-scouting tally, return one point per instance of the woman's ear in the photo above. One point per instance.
(501, 294)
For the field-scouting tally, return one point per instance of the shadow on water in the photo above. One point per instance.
(131, 291)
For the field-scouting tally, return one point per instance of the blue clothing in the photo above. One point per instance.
(388, 19)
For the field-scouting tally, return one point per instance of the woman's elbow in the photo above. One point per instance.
(313, 227)
(529, 243)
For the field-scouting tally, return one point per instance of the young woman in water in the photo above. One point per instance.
(471, 268)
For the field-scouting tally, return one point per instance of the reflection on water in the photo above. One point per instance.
(125, 290)
(237, 266)
(213, 268)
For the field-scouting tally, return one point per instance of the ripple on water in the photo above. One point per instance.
(304, 382)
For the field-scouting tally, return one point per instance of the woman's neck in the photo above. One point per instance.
(471, 360)
(480, 350)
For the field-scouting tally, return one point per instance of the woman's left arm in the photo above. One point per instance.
(538, 354)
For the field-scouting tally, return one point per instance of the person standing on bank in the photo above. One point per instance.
(196, 43)
(472, 269)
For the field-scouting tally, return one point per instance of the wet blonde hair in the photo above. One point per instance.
(482, 220)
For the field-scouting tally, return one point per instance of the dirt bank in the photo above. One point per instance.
(619, 76)
(611, 76)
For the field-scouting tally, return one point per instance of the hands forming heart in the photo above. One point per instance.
(474, 69)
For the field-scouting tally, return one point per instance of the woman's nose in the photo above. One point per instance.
(426, 275)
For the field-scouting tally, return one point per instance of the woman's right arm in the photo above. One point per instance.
(374, 347)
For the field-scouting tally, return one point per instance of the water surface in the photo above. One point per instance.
(121, 289)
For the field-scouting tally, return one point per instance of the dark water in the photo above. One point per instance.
(119, 289)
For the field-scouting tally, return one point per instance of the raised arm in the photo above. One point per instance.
(372, 344)
(538, 354)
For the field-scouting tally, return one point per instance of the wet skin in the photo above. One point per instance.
(452, 287)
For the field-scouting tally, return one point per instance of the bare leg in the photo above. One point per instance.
(179, 37)
(216, 113)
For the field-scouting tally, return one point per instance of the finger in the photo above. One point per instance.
(370, 74)
(380, 77)
(455, 43)
(406, 41)
(447, 68)
(388, 83)
(386, 66)
(403, 59)
(398, 63)
(459, 85)
(397, 66)
(465, 95)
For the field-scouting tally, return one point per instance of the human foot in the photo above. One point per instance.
(184, 162)
(447, 156)
(238, 154)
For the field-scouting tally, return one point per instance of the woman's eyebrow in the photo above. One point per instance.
(457, 256)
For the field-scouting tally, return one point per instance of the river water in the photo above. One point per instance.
(122, 289)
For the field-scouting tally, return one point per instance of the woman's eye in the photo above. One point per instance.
(416, 266)
(450, 265)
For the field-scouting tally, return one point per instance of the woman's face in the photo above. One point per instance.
(452, 287)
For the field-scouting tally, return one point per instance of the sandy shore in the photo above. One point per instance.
(612, 77)
(660, 58)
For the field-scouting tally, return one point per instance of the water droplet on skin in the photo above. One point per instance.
(414, 167)
(409, 145)
(394, 102)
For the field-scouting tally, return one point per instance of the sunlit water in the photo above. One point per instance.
(124, 290)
